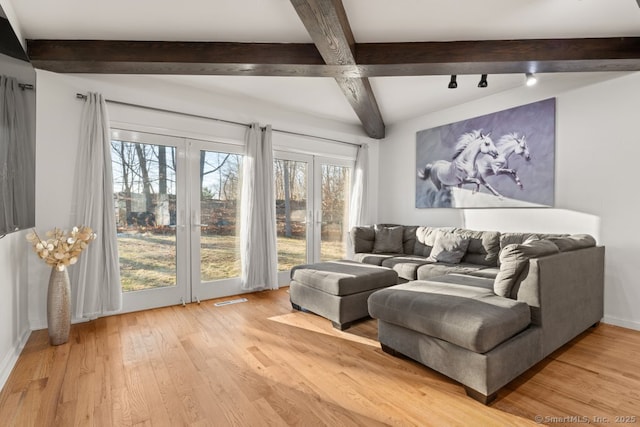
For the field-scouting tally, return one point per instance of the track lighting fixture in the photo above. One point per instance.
(453, 83)
(531, 79)
(483, 81)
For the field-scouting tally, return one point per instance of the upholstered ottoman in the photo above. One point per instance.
(456, 325)
(338, 290)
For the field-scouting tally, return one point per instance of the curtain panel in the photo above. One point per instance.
(16, 152)
(358, 204)
(96, 288)
(259, 259)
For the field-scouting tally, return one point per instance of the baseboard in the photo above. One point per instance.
(37, 324)
(9, 361)
(629, 324)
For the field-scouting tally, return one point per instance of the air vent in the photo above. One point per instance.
(231, 301)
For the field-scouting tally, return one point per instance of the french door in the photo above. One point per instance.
(214, 226)
(177, 205)
(312, 201)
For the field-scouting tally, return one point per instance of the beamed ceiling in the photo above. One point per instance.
(365, 47)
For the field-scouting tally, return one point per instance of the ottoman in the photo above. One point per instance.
(338, 290)
(457, 326)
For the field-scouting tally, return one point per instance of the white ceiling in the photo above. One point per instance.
(399, 98)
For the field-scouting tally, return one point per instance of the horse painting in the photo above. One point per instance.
(507, 145)
(462, 169)
(519, 173)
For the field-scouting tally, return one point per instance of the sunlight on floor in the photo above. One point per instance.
(320, 325)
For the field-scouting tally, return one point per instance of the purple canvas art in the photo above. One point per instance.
(503, 159)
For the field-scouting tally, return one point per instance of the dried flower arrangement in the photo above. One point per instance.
(62, 248)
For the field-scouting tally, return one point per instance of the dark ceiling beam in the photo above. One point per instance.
(372, 59)
(502, 56)
(327, 24)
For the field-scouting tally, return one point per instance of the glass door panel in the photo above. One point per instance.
(291, 179)
(335, 184)
(215, 172)
(146, 199)
(219, 213)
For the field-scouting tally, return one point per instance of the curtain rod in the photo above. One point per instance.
(163, 110)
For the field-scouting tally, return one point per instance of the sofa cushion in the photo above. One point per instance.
(514, 258)
(425, 239)
(388, 240)
(516, 238)
(409, 238)
(344, 277)
(465, 280)
(484, 247)
(573, 242)
(362, 238)
(449, 247)
(435, 269)
(405, 266)
(468, 316)
(373, 259)
(489, 273)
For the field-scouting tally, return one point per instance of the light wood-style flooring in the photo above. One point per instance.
(261, 363)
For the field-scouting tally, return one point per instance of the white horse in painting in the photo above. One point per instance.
(462, 169)
(507, 145)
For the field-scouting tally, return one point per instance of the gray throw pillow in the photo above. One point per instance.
(448, 247)
(514, 258)
(362, 238)
(388, 240)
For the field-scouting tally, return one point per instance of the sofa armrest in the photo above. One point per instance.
(565, 292)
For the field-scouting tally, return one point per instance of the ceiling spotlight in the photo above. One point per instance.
(453, 83)
(531, 79)
(483, 81)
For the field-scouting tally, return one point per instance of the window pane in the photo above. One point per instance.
(335, 211)
(291, 212)
(144, 186)
(219, 210)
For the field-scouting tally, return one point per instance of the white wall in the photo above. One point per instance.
(58, 125)
(14, 325)
(597, 152)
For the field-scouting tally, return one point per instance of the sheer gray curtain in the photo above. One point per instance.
(258, 254)
(96, 278)
(15, 152)
(358, 204)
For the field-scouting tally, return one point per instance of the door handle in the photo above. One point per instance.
(200, 225)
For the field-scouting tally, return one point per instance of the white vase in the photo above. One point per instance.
(58, 306)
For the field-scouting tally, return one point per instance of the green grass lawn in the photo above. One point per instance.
(149, 260)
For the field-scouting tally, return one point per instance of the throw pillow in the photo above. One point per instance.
(517, 238)
(514, 258)
(388, 240)
(362, 238)
(448, 247)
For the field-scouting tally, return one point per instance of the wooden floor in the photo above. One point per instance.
(260, 363)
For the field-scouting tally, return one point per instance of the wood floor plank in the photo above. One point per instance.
(260, 363)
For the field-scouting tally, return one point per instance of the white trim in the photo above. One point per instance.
(629, 324)
(11, 358)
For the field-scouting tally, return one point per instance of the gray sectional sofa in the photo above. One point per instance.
(481, 307)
